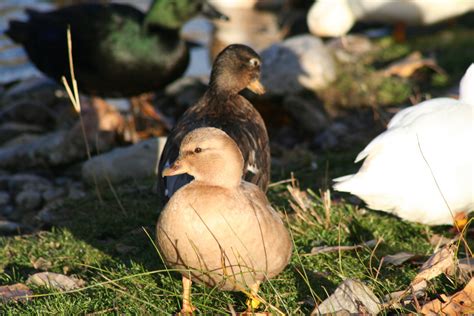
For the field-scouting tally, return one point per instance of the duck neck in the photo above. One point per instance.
(222, 172)
(222, 179)
(162, 15)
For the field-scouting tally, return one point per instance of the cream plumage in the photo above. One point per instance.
(336, 17)
(423, 161)
(220, 229)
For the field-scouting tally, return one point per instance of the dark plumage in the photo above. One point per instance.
(117, 50)
(237, 67)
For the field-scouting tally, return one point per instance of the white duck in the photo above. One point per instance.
(423, 162)
(336, 17)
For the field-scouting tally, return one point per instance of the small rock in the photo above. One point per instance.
(53, 194)
(62, 181)
(103, 124)
(7, 210)
(10, 130)
(23, 181)
(138, 161)
(298, 63)
(46, 214)
(8, 227)
(55, 281)
(186, 90)
(330, 137)
(4, 199)
(76, 191)
(309, 115)
(4, 180)
(21, 140)
(28, 200)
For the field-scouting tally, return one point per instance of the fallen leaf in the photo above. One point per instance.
(461, 303)
(439, 240)
(326, 249)
(440, 262)
(41, 263)
(55, 281)
(352, 296)
(407, 66)
(398, 258)
(466, 268)
(15, 292)
(408, 295)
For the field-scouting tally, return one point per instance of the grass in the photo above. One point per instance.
(110, 249)
(108, 241)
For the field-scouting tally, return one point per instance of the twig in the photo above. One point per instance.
(328, 249)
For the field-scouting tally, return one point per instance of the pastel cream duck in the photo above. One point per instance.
(220, 230)
(421, 168)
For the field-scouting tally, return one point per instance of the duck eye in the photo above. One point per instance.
(197, 150)
(254, 62)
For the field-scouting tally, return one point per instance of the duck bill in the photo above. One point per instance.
(256, 87)
(176, 168)
(211, 12)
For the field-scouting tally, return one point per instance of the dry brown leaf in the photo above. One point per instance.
(439, 240)
(398, 258)
(14, 292)
(441, 261)
(461, 303)
(41, 263)
(55, 281)
(407, 66)
(326, 249)
(417, 290)
(466, 268)
(352, 296)
(466, 265)
(300, 197)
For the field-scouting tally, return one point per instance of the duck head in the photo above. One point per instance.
(172, 14)
(210, 156)
(237, 67)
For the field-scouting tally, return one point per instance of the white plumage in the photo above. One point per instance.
(336, 17)
(423, 162)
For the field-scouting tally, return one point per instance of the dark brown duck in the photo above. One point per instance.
(237, 67)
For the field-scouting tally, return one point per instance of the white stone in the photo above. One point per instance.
(130, 163)
(298, 63)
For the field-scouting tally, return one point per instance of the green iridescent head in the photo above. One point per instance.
(172, 14)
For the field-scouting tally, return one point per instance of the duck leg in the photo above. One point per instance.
(187, 308)
(253, 302)
(400, 32)
(460, 221)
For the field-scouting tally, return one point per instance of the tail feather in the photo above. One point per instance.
(343, 184)
(18, 31)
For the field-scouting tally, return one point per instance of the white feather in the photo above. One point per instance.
(422, 163)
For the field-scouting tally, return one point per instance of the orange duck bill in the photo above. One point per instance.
(256, 87)
(176, 168)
